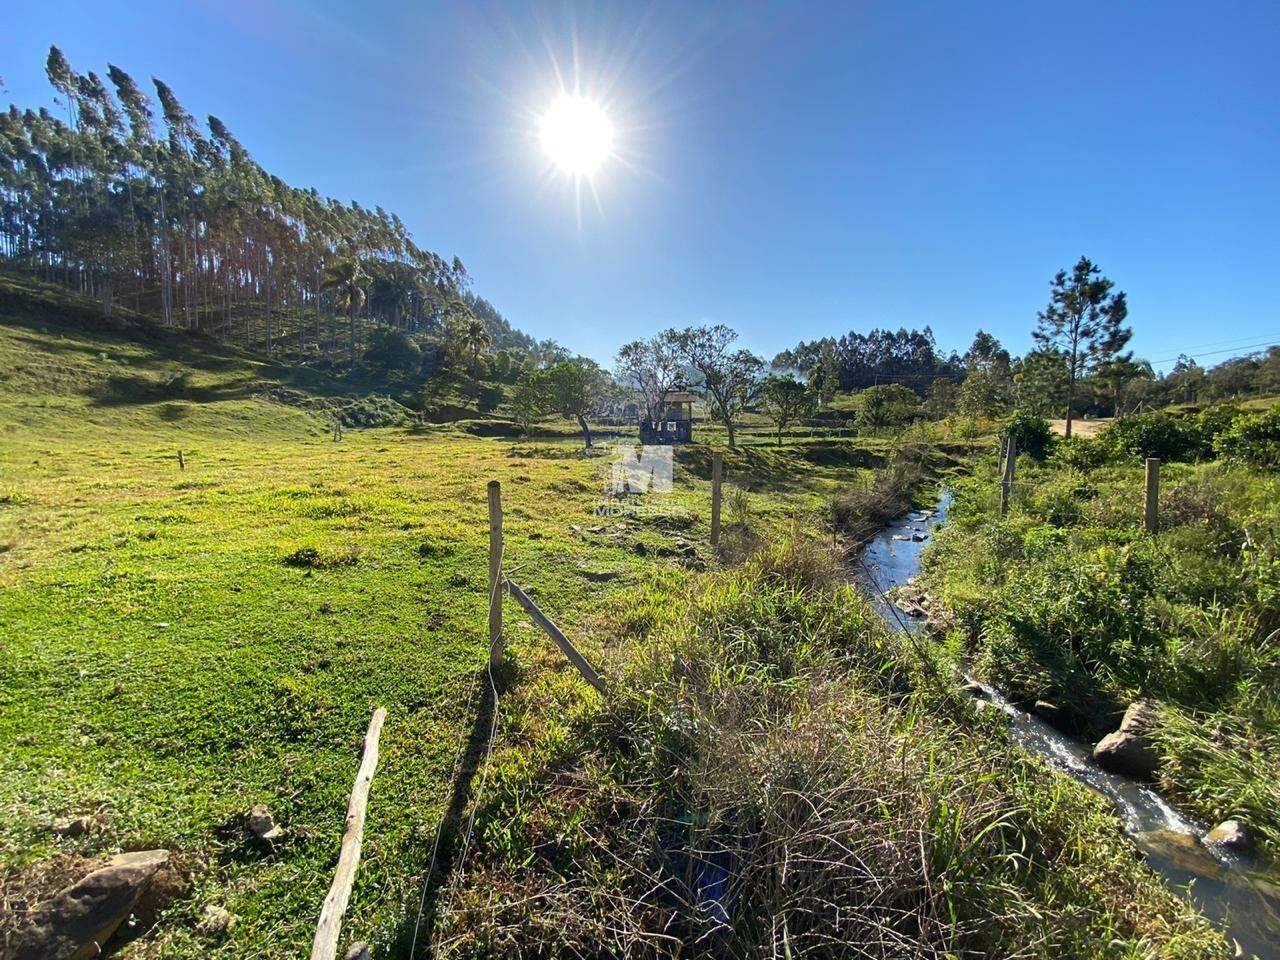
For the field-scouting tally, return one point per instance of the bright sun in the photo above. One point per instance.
(577, 135)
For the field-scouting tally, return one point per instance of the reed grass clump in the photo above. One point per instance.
(773, 777)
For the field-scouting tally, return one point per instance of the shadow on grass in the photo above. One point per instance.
(420, 928)
(138, 390)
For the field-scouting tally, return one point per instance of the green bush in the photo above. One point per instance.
(1253, 440)
(1152, 435)
(1215, 420)
(1079, 453)
(392, 350)
(1031, 433)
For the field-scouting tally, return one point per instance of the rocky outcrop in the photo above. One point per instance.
(77, 923)
(1129, 750)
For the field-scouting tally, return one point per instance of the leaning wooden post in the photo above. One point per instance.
(1006, 482)
(495, 573)
(717, 469)
(1151, 515)
(325, 944)
(182, 464)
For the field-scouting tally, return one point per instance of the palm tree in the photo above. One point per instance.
(476, 339)
(347, 279)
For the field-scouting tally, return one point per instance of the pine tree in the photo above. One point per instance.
(1084, 321)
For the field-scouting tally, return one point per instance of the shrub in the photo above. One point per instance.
(1213, 421)
(1152, 435)
(312, 557)
(1031, 433)
(1253, 440)
(488, 397)
(1076, 629)
(886, 405)
(392, 350)
(859, 511)
(374, 410)
(1079, 453)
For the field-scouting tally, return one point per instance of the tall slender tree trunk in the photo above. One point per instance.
(1071, 388)
(351, 329)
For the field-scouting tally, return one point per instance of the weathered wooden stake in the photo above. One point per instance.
(1151, 515)
(1006, 482)
(325, 944)
(555, 633)
(495, 573)
(717, 469)
(182, 464)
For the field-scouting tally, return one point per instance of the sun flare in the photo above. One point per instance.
(576, 135)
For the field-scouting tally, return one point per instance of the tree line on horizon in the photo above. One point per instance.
(1079, 366)
(179, 223)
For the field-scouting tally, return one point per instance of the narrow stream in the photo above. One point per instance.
(1229, 889)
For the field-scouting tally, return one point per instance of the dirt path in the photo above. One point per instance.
(1079, 428)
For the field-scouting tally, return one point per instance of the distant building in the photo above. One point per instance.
(674, 423)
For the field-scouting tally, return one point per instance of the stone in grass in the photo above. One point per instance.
(1126, 753)
(1230, 835)
(72, 826)
(261, 824)
(1129, 750)
(1140, 718)
(1049, 712)
(76, 923)
(216, 923)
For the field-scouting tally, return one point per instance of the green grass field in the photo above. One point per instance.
(182, 644)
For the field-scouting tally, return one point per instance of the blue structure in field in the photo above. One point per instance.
(674, 423)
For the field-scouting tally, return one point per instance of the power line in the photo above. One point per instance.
(1223, 343)
(1213, 353)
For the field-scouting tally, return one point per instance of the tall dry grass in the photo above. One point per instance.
(770, 780)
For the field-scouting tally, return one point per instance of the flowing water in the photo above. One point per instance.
(1228, 888)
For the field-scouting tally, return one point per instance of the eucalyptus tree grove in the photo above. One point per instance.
(179, 222)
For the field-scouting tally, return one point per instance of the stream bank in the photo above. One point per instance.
(1227, 887)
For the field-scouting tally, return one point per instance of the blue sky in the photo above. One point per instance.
(791, 169)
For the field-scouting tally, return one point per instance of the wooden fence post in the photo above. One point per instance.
(1006, 481)
(495, 573)
(325, 944)
(1151, 515)
(717, 469)
(182, 464)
